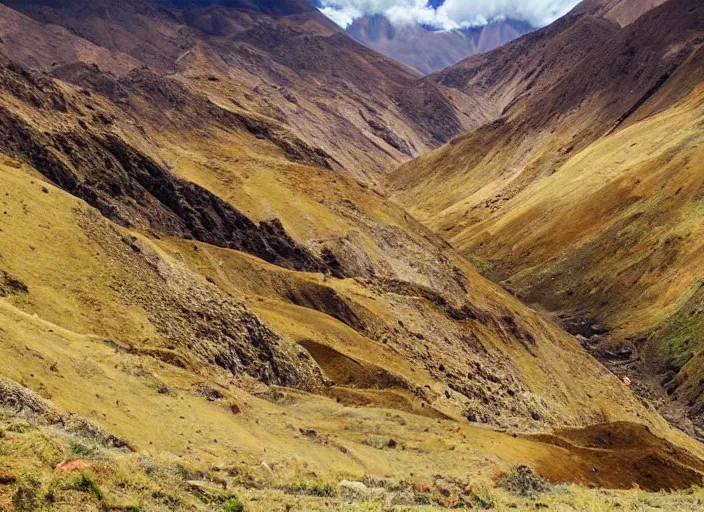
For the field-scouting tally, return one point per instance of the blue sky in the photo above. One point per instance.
(448, 14)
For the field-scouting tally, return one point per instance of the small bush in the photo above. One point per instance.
(233, 505)
(484, 497)
(81, 450)
(312, 488)
(28, 495)
(162, 388)
(522, 481)
(181, 471)
(86, 483)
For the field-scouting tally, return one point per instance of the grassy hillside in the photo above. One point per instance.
(97, 321)
(197, 304)
(596, 217)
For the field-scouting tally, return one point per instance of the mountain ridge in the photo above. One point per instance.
(428, 50)
(494, 205)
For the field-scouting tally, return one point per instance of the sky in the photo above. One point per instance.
(448, 15)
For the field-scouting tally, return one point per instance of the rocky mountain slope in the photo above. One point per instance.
(428, 50)
(293, 68)
(196, 296)
(581, 197)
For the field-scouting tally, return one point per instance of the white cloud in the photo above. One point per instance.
(452, 14)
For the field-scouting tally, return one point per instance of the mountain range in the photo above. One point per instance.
(426, 49)
(248, 263)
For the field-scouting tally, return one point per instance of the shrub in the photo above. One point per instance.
(86, 483)
(79, 449)
(312, 488)
(28, 496)
(522, 481)
(233, 505)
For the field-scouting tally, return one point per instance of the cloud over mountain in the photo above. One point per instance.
(450, 14)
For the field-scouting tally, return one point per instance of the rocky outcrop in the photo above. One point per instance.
(128, 186)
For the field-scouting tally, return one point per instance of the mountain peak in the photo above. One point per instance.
(427, 49)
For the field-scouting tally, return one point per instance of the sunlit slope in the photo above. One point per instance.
(592, 78)
(205, 283)
(177, 347)
(613, 236)
(583, 197)
(481, 354)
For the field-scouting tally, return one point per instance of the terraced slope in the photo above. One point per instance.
(583, 197)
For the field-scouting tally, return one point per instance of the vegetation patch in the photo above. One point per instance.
(522, 481)
(311, 487)
(29, 495)
(84, 450)
(233, 504)
(86, 483)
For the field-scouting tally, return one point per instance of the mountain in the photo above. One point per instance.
(581, 196)
(205, 302)
(296, 69)
(426, 49)
(624, 12)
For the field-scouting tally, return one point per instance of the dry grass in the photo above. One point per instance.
(119, 480)
(81, 333)
(612, 234)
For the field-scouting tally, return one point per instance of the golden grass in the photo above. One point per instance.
(84, 279)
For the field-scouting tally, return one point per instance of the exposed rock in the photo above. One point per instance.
(28, 403)
(522, 481)
(353, 486)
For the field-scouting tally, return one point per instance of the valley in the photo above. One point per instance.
(247, 263)
(618, 207)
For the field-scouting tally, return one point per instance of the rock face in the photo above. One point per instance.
(428, 50)
(132, 189)
(30, 405)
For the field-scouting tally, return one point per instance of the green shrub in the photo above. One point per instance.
(79, 449)
(312, 488)
(86, 483)
(28, 495)
(233, 505)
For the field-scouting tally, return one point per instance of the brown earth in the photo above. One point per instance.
(619, 456)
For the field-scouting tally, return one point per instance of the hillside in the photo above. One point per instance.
(294, 68)
(428, 50)
(200, 299)
(581, 197)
